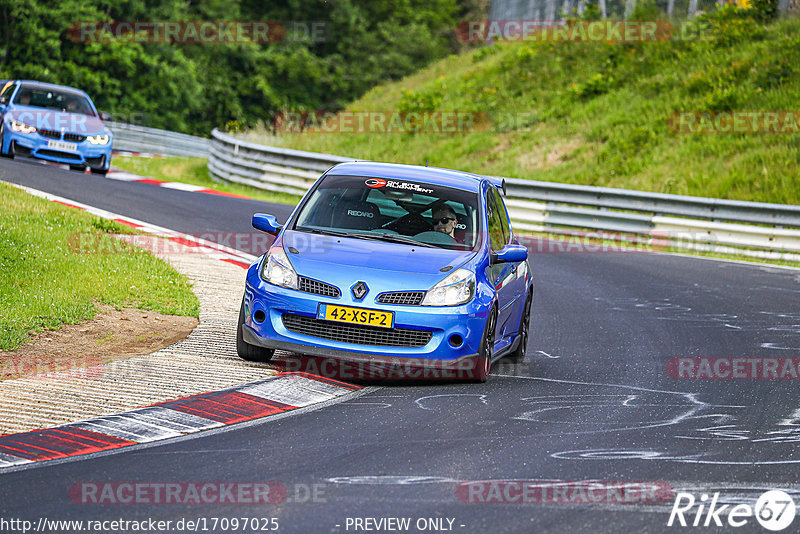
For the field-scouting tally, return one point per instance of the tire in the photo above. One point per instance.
(11, 151)
(245, 350)
(80, 168)
(524, 329)
(483, 363)
(100, 171)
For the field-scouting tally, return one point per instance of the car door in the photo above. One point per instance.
(518, 283)
(500, 275)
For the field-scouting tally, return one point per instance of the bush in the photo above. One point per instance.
(646, 10)
(598, 84)
(764, 10)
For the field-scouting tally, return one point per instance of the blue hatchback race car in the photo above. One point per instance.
(54, 123)
(388, 264)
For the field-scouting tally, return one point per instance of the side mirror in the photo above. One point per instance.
(510, 254)
(266, 223)
(105, 116)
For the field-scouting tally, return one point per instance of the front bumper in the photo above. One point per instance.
(456, 332)
(35, 146)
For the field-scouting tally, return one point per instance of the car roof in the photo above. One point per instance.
(431, 175)
(45, 85)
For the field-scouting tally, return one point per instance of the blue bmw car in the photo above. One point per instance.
(392, 264)
(54, 123)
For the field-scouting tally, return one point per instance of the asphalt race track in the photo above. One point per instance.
(592, 401)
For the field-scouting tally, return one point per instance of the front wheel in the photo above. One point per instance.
(79, 168)
(245, 350)
(99, 171)
(524, 327)
(483, 363)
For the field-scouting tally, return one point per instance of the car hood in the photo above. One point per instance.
(384, 266)
(49, 119)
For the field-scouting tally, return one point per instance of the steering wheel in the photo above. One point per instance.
(436, 238)
(413, 222)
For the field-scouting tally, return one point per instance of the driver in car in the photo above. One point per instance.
(444, 220)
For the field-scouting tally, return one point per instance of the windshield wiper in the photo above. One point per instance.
(323, 232)
(375, 237)
(392, 238)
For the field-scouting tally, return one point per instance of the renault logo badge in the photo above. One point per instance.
(359, 290)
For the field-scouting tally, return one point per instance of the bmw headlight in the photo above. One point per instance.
(21, 127)
(99, 139)
(458, 288)
(277, 270)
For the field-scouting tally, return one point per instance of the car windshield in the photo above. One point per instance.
(54, 99)
(399, 211)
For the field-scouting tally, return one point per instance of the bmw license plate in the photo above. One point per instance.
(62, 145)
(346, 314)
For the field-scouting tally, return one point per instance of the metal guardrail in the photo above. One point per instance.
(274, 169)
(620, 214)
(133, 138)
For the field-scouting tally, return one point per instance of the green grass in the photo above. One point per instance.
(194, 171)
(597, 113)
(47, 279)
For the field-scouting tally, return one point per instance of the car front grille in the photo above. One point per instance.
(75, 138)
(356, 334)
(52, 134)
(57, 154)
(409, 298)
(318, 288)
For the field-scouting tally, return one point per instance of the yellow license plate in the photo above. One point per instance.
(346, 314)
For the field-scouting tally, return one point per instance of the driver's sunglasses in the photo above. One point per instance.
(445, 220)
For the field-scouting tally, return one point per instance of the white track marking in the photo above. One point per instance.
(294, 390)
(420, 404)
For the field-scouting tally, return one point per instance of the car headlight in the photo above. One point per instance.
(277, 270)
(456, 289)
(21, 127)
(100, 139)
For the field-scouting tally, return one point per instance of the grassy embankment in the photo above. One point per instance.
(597, 113)
(48, 279)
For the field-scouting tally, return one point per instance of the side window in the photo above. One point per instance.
(503, 214)
(495, 224)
